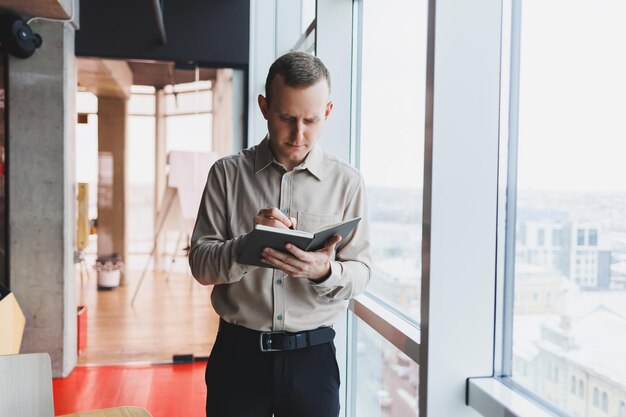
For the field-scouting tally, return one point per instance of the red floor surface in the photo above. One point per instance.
(164, 390)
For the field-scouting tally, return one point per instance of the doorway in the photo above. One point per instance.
(176, 122)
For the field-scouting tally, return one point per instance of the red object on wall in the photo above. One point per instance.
(82, 329)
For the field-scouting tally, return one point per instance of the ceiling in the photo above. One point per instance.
(113, 77)
(55, 9)
(205, 23)
(211, 33)
(159, 73)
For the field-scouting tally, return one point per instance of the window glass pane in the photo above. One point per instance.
(386, 380)
(141, 104)
(392, 144)
(192, 132)
(186, 102)
(86, 151)
(569, 326)
(308, 14)
(140, 182)
(86, 102)
(142, 89)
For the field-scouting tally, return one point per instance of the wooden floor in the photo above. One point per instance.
(169, 317)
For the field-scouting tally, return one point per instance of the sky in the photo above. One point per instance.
(393, 96)
(573, 95)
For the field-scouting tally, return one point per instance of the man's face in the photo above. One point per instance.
(295, 116)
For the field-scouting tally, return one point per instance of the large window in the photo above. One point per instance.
(140, 173)
(386, 380)
(392, 97)
(389, 151)
(189, 123)
(571, 188)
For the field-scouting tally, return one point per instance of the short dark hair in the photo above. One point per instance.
(298, 69)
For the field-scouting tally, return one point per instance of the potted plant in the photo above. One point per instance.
(109, 269)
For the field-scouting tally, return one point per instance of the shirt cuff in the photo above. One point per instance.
(238, 245)
(330, 283)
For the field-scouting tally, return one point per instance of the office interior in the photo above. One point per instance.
(490, 137)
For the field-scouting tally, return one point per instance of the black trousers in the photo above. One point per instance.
(243, 381)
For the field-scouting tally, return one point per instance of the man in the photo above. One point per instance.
(274, 352)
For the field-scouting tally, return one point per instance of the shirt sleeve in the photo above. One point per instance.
(351, 268)
(213, 252)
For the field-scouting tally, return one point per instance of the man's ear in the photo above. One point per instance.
(263, 106)
(329, 108)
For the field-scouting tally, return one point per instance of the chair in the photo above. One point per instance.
(26, 390)
(12, 323)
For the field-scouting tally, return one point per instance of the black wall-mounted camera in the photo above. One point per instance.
(16, 37)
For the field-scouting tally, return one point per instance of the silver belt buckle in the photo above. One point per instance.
(270, 349)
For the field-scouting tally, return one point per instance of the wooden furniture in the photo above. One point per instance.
(26, 390)
(113, 412)
(12, 323)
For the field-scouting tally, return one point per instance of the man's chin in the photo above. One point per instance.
(298, 156)
(295, 152)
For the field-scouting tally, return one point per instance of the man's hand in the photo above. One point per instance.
(271, 216)
(314, 266)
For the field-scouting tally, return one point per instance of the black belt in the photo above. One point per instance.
(279, 341)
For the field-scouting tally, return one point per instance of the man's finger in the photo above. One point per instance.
(333, 240)
(330, 244)
(296, 251)
(281, 260)
(267, 216)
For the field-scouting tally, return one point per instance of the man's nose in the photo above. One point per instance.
(299, 131)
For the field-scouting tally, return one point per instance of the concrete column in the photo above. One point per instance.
(4, 244)
(160, 161)
(41, 100)
(112, 119)
(223, 112)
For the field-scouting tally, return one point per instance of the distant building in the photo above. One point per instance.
(543, 243)
(571, 248)
(398, 281)
(539, 289)
(618, 276)
(574, 360)
(583, 255)
(604, 269)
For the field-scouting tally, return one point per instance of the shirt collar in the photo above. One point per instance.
(314, 161)
(264, 157)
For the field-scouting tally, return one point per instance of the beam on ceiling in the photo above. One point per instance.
(53, 9)
(105, 77)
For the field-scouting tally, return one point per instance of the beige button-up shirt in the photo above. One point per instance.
(320, 191)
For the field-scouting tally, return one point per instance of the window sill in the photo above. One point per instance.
(492, 398)
(396, 330)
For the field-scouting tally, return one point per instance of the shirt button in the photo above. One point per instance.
(285, 211)
(279, 282)
(286, 178)
(279, 317)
